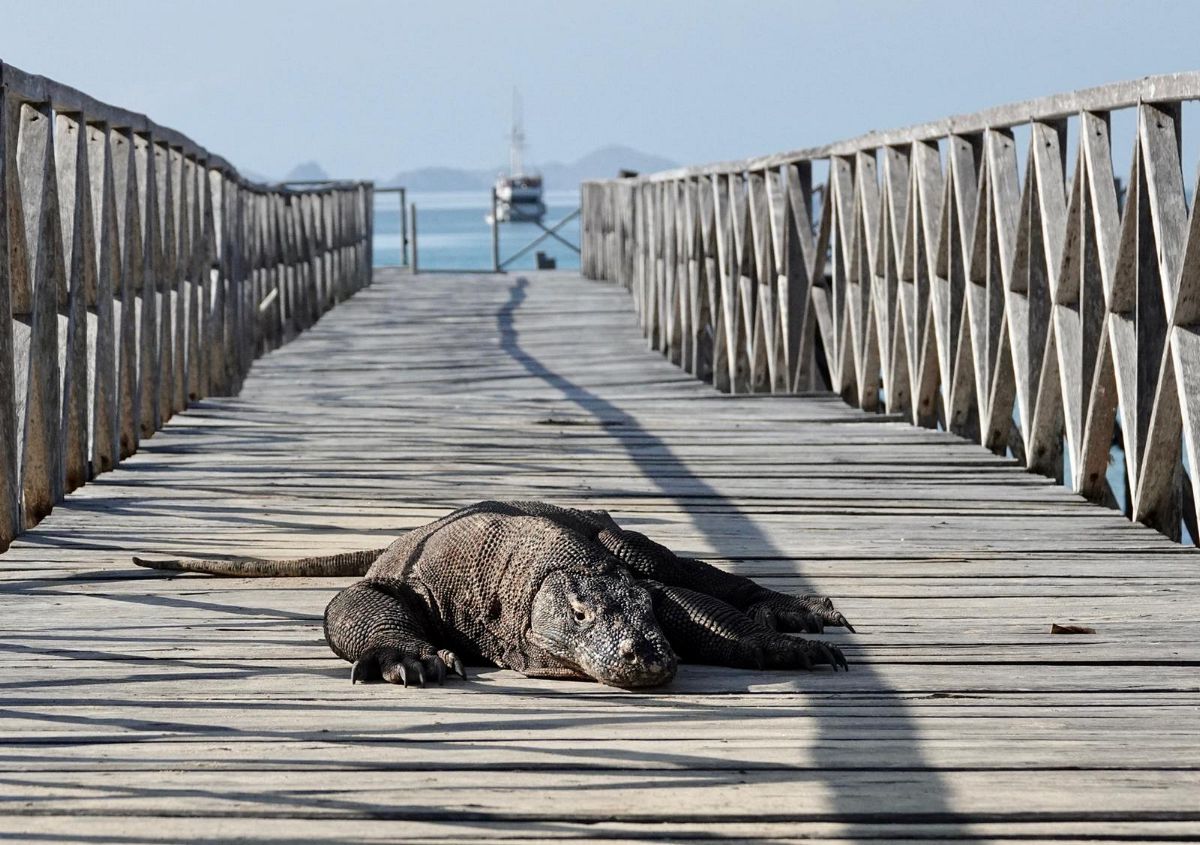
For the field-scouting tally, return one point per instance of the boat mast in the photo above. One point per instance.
(516, 139)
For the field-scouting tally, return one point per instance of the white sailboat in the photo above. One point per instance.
(518, 193)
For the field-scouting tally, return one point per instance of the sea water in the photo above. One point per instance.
(453, 234)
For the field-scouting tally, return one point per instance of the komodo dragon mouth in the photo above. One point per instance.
(551, 592)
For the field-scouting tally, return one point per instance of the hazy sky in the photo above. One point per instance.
(370, 88)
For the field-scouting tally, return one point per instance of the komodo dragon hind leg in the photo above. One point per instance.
(704, 629)
(648, 559)
(380, 628)
(772, 609)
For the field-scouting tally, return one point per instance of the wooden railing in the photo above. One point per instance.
(139, 272)
(985, 274)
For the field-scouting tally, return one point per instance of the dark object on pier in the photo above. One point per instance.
(1055, 628)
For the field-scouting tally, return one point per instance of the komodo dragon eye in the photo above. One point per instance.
(580, 612)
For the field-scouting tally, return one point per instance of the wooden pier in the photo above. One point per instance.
(141, 708)
(888, 348)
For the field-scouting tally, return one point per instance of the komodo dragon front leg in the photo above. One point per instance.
(772, 609)
(383, 630)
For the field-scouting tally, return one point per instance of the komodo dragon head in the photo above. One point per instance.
(601, 626)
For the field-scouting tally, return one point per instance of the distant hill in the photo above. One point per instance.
(603, 163)
(599, 164)
(442, 179)
(308, 171)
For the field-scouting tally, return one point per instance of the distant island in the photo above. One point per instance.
(309, 171)
(599, 164)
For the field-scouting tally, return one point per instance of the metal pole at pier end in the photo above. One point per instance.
(495, 234)
(414, 237)
(403, 228)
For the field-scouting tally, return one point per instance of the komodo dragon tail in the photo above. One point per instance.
(326, 566)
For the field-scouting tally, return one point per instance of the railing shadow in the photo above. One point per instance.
(903, 750)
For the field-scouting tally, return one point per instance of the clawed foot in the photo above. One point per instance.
(809, 614)
(400, 667)
(780, 651)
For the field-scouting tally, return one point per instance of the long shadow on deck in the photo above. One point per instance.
(903, 749)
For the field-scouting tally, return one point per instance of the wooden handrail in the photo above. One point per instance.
(133, 263)
(1048, 313)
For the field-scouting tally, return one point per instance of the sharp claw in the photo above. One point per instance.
(845, 623)
(451, 663)
(366, 669)
(829, 656)
(838, 658)
(415, 670)
(403, 675)
(435, 668)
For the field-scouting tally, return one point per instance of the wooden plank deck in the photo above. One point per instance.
(139, 708)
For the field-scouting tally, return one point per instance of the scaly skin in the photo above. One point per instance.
(551, 592)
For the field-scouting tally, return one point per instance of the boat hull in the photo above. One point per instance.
(519, 200)
(520, 212)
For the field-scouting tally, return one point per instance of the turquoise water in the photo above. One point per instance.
(452, 233)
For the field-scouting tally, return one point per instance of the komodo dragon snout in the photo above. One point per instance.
(603, 627)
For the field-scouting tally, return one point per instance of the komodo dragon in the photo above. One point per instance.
(550, 592)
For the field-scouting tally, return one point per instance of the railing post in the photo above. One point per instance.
(37, 276)
(403, 227)
(415, 265)
(10, 523)
(495, 232)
